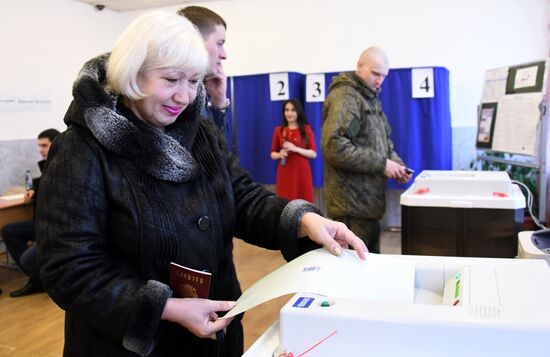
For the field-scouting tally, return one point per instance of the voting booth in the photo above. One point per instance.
(462, 213)
(462, 307)
(257, 109)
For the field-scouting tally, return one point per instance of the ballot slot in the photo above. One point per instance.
(442, 284)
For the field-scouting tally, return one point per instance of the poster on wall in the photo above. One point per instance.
(486, 125)
(526, 78)
(494, 85)
(517, 124)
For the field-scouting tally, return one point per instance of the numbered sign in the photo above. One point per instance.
(315, 87)
(422, 82)
(278, 86)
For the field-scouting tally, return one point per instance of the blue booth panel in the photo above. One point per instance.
(421, 127)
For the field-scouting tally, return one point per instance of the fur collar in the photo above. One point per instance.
(164, 155)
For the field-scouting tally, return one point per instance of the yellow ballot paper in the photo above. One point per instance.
(378, 277)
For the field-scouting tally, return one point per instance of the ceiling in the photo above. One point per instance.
(128, 5)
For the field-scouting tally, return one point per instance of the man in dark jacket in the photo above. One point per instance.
(212, 28)
(18, 236)
(357, 148)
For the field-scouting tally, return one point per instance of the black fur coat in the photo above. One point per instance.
(125, 200)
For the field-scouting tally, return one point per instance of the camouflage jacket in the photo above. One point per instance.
(355, 141)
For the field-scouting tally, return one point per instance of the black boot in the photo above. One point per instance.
(31, 287)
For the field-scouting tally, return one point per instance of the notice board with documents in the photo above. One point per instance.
(512, 120)
(511, 113)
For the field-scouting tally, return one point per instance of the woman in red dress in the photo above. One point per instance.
(294, 144)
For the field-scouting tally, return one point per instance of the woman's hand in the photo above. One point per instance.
(330, 234)
(198, 315)
(289, 146)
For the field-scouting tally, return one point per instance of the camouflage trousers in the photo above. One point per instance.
(366, 229)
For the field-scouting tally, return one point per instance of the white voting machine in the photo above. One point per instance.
(462, 307)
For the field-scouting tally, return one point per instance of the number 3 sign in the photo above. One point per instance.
(422, 82)
(315, 88)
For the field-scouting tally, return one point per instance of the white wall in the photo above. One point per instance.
(308, 36)
(43, 44)
(45, 50)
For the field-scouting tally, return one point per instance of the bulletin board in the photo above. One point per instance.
(510, 113)
(512, 120)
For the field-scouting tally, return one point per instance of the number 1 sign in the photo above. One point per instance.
(422, 82)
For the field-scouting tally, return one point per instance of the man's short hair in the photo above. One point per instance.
(49, 134)
(205, 19)
(154, 40)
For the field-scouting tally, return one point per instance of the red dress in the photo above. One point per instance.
(294, 179)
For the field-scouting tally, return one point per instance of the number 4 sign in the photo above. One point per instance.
(422, 82)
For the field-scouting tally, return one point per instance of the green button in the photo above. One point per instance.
(325, 304)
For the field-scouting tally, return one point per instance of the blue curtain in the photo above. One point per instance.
(421, 127)
(229, 120)
(314, 116)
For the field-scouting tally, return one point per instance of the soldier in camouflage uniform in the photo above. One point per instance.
(357, 149)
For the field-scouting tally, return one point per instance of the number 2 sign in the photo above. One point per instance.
(278, 86)
(422, 82)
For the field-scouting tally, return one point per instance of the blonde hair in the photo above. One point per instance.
(156, 39)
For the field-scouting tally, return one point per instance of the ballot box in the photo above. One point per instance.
(462, 213)
(462, 307)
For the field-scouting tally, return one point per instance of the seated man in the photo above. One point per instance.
(18, 236)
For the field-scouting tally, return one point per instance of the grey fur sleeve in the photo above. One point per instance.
(291, 245)
(142, 331)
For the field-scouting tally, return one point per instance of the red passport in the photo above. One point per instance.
(189, 283)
